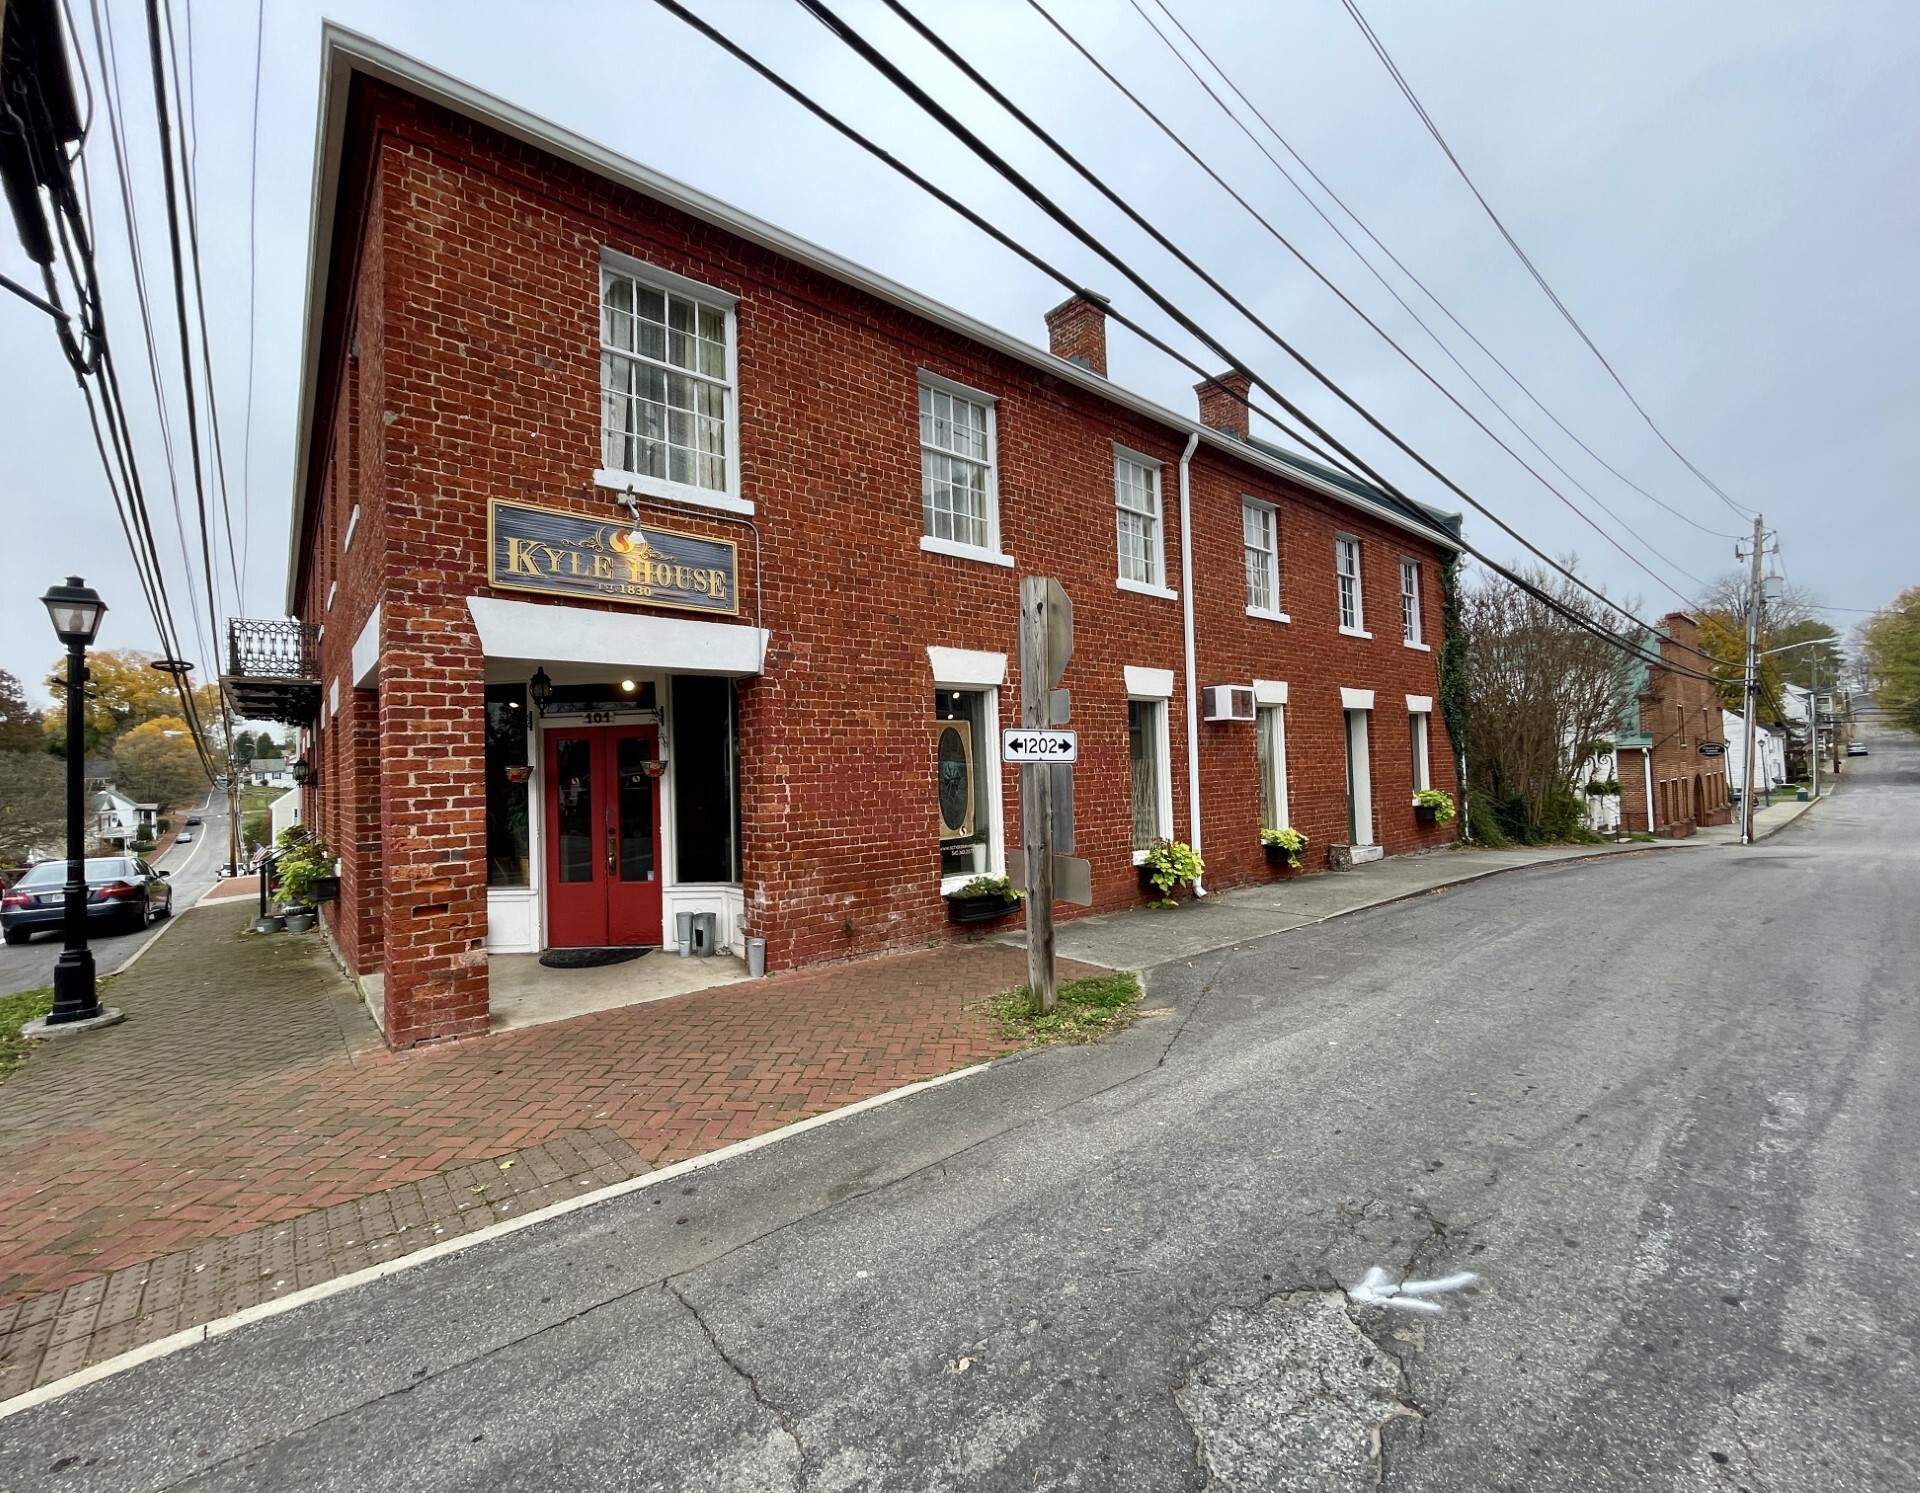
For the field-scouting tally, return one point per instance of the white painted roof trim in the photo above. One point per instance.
(344, 52)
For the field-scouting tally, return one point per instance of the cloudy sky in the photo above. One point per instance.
(1721, 192)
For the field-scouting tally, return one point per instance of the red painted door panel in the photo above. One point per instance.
(603, 836)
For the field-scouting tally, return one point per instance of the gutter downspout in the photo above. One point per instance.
(1646, 761)
(1186, 627)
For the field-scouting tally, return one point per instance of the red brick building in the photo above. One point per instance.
(1672, 761)
(663, 563)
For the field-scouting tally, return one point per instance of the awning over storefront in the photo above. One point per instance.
(593, 635)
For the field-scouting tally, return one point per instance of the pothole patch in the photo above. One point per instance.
(1291, 1396)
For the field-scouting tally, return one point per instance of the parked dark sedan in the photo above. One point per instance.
(121, 889)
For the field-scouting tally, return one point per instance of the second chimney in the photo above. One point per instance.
(1223, 403)
(1077, 331)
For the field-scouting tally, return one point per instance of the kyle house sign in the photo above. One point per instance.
(563, 554)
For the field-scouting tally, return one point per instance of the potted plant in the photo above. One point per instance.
(1169, 865)
(1431, 806)
(304, 866)
(1602, 788)
(1284, 847)
(982, 900)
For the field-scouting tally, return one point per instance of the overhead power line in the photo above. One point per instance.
(1532, 269)
(1007, 241)
(889, 70)
(1345, 299)
(1361, 223)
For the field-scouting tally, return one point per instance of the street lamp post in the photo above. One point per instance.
(76, 609)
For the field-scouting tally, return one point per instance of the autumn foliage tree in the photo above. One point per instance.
(1891, 639)
(124, 690)
(156, 762)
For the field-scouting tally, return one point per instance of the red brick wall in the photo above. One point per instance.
(1680, 710)
(478, 292)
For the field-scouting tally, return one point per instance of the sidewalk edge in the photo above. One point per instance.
(219, 1327)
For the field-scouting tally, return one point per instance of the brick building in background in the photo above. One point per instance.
(662, 562)
(1672, 746)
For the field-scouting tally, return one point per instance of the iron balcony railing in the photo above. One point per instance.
(273, 669)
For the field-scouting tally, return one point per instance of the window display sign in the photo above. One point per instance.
(565, 554)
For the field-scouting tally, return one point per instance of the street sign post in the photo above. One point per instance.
(1043, 751)
(1022, 746)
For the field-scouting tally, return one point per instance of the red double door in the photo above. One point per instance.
(603, 836)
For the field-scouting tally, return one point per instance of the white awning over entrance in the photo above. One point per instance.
(589, 635)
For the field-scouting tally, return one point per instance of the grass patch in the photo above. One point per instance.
(1084, 1011)
(15, 1012)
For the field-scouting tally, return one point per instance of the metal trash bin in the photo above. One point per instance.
(706, 934)
(756, 957)
(683, 932)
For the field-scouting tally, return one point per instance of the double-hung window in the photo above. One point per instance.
(1136, 504)
(1260, 541)
(958, 497)
(666, 384)
(1410, 602)
(1346, 556)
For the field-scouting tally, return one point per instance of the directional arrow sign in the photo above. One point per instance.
(1021, 744)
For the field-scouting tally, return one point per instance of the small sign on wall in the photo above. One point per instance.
(556, 553)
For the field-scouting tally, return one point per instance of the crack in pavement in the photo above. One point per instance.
(746, 1374)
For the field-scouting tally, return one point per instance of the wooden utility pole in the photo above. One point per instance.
(1037, 673)
(1753, 681)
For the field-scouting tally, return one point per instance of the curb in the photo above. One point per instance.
(219, 1327)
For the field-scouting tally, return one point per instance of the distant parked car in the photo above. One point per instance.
(1854, 749)
(120, 889)
(193, 819)
(185, 837)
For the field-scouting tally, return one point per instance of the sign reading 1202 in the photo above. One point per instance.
(1021, 745)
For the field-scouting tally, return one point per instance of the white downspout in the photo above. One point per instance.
(1186, 625)
(1646, 761)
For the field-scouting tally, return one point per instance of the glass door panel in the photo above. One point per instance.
(634, 792)
(573, 802)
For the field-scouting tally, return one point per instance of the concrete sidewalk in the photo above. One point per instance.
(1141, 937)
(1769, 819)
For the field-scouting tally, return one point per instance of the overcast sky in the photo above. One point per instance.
(1722, 193)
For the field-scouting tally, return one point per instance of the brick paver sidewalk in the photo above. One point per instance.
(245, 1133)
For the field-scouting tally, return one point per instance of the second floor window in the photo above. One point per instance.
(1410, 600)
(956, 468)
(1346, 554)
(1261, 540)
(1136, 497)
(665, 384)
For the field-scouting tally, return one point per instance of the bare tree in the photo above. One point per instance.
(1541, 689)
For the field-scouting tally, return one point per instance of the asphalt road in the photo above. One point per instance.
(29, 966)
(1660, 1104)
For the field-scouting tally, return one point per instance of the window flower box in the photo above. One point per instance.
(985, 899)
(1431, 806)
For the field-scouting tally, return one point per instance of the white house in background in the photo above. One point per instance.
(269, 772)
(1770, 754)
(117, 818)
(287, 811)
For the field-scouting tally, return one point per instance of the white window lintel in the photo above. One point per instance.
(1269, 691)
(1139, 458)
(930, 379)
(1356, 699)
(1420, 704)
(1149, 684)
(967, 668)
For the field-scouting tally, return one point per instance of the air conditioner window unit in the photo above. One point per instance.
(1228, 702)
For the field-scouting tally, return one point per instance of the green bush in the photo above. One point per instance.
(1483, 826)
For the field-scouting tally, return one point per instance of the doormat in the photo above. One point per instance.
(590, 958)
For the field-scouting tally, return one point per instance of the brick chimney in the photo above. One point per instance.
(1219, 409)
(1077, 331)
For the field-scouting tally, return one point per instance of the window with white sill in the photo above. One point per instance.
(1410, 600)
(1270, 735)
(1346, 556)
(1147, 766)
(1260, 541)
(1136, 498)
(666, 383)
(957, 488)
(1422, 759)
